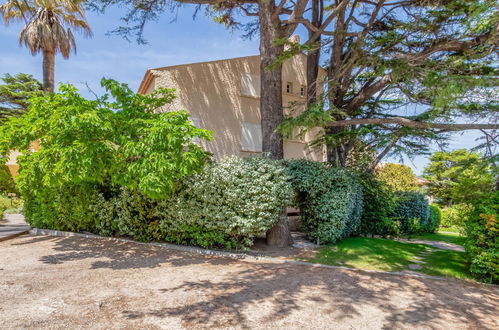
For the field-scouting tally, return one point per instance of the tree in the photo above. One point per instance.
(15, 92)
(459, 177)
(102, 142)
(401, 73)
(398, 176)
(48, 29)
(276, 22)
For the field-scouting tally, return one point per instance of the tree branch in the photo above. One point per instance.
(411, 123)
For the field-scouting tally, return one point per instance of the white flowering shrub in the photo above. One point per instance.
(226, 205)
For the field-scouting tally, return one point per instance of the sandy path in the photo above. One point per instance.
(78, 283)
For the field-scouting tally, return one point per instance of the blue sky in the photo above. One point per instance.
(183, 41)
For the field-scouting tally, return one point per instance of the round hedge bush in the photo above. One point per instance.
(409, 207)
(433, 219)
(329, 199)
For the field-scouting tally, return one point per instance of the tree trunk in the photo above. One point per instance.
(279, 235)
(271, 104)
(313, 56)
(271, 81)
(48, 70)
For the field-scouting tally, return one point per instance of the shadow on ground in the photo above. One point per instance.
(237, 286)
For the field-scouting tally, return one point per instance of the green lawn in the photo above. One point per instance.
(450, 229)
(448, 237)
(388, 255)
(446, 263)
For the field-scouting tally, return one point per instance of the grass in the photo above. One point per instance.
(370, 253)
(450, 230)
(388, 255)
(446, 263)
(448, 237)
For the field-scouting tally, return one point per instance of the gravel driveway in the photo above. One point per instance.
(72, 282)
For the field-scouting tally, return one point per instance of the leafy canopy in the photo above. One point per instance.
(398, 176)
(459, 177)
(403, 74)
(49, 24)
(15, 92)
(118, 141)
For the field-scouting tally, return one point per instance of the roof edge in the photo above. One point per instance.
(146, 81)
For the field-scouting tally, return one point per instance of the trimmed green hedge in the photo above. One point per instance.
(411, 210)
(379, 201)
(433, 219)
(68, 207)
(329, 198)
(226, 205)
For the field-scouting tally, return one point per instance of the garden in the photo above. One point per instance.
(115, 167)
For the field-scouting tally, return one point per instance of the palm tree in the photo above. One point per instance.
(48, 29)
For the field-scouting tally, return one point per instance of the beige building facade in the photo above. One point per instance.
(224, 97)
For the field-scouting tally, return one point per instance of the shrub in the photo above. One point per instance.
(15, 204)
(378, 203)
(4, 203)
(434, 219)
(7, 184)
(127, 213)
(410, 206)
(482, 242)
(64, 208)
(456, 215)
(388, 227)
(329, 199)
(226, 205)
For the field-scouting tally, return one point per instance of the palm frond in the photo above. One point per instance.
(49, 24)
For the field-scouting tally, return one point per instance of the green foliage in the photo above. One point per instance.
(10, 204)
(456, 215)
(4, 205)
(7, 184)
(434, 219)
(329, 199)
(67, 207)
(15, 92)
(412, 210)
(458, 177)
(226, 205)
(123, 142)
(379, 200)
(2, 210)
(482, 244)
(398, 176)
(237, 199)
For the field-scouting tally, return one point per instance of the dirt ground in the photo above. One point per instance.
(78, 283)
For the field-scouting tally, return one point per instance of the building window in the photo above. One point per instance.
(289, 87)
(250, 85)
(302, 90)
(251, 137)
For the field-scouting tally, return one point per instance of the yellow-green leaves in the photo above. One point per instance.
(96, 141)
